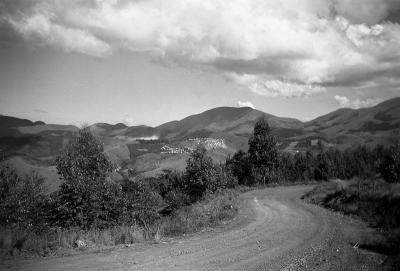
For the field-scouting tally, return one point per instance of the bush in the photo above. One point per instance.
(212, 210)
(241, 168)
(199, 174)
(22, 201)
(390, 165)
(140, 204)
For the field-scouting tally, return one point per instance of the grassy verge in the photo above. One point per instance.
(16, 241)
(211, 211)
(214, 209)
(376, 202)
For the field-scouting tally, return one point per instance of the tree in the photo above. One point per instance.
(83, 159)
(199, 173)
(241, 167)
(22, 199)
(390, 166)
(86, 198)
(263, 152)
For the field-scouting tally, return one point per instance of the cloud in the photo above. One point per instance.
(294, 50)
(40, 27)
(41, 111)
(356, 104)
(246, 104)
(273, 88)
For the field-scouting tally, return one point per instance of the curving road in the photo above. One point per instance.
(275, 230)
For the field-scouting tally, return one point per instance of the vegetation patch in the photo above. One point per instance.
(374, 201)
(213, 210)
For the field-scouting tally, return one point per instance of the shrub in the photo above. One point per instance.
(212, 210)
(22, 201)
(241, 168)
(390, 166)
(199, 173)
(140, 204)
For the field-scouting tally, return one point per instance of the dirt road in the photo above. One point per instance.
(274, 230)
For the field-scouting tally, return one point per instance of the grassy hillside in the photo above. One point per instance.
(229, 119)
(49, 173)
(342, 128)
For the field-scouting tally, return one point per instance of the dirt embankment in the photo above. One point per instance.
(274, 230)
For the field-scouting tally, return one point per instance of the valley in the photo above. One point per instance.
(151, 150)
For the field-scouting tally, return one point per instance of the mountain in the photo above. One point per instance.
(379, 124)
(232, 120)
(32, 139)
(8, 125)
(222, 130)
(382, 117)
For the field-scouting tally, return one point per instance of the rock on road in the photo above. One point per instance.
(274, 230)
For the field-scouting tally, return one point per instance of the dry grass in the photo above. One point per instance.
(22, 241)
(214, 209)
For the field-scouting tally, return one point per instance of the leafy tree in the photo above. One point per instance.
(86, 198)
(84, 159)
(390, 167)
(222, 177)
(263, 152)
(241, 168)
(199, 173)
(22, 199)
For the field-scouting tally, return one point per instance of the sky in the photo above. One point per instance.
(152, 61)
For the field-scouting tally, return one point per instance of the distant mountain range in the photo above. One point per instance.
(224, 130)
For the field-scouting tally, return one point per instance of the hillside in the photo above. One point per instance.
(224, 119)
(222, 130)
(9, 125)
(382, 117)
(374, 125)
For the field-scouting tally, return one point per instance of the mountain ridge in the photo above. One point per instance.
(222, 130)
(227, 126)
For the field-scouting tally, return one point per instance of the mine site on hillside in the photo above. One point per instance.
(200, 135)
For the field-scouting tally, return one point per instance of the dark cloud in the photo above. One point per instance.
(393, 16)
(364, 75)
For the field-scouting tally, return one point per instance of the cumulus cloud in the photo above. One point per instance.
(69, 39)
(293, 49)
(246, 104)
(273, 88)
(357, 103)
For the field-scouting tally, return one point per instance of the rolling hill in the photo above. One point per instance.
(224, 119)
(222, 130)
(374, 125)
(382, 117)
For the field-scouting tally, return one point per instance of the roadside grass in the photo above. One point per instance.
(373, 201)
(17, 241)
(213, 210)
